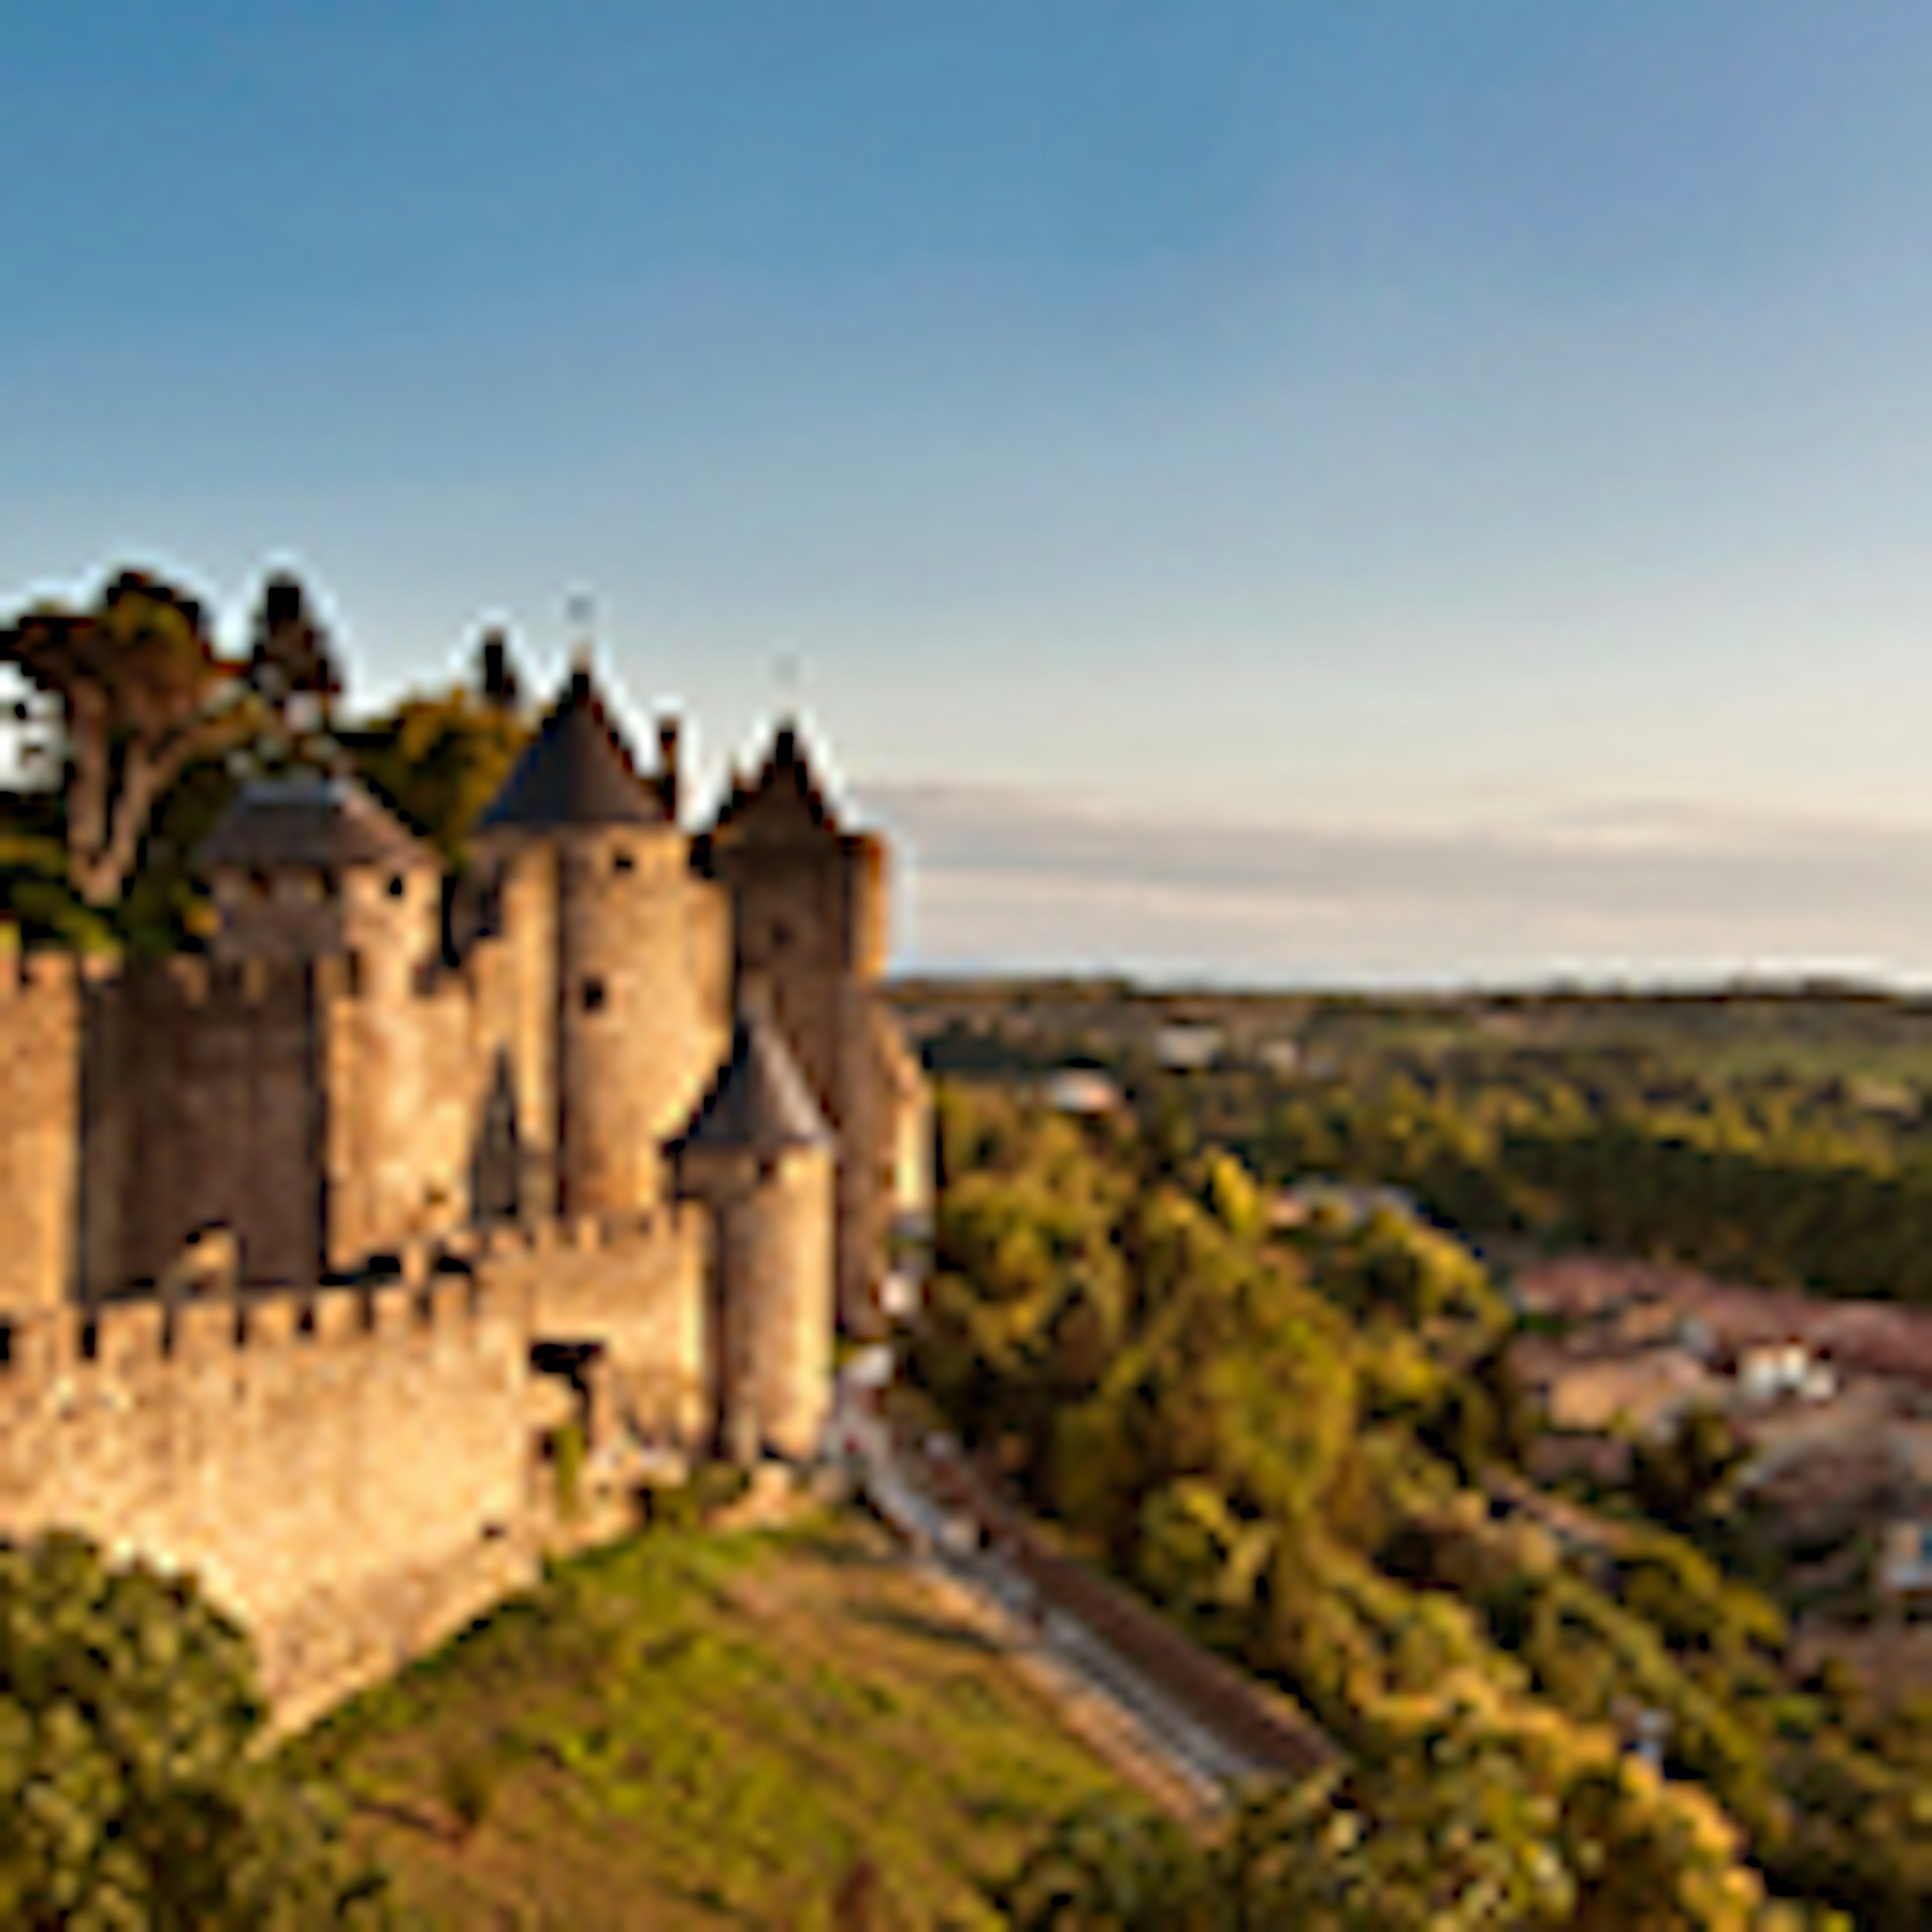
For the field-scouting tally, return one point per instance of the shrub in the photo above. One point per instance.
(128, 1793)
(467, 1781)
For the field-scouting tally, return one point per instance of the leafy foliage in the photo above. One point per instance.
(143, 695)
(438, 761)
(127, 1794)
(155, 729)
(1296, 1446)
(1780, 1181)
(1460, 1825)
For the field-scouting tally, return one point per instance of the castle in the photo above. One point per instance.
(316, 1245)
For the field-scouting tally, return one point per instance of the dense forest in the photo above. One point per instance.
(1781, 1136)
(1779, 1181)
(1291, 1445)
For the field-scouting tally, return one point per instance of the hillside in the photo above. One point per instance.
(1817, 1031)
(686, 1732)
(1306, 1441)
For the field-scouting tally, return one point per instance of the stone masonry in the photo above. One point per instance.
(299, 1231)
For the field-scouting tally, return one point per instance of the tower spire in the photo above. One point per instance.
(579, 612)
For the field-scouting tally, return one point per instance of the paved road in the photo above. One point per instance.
(1207, 1759)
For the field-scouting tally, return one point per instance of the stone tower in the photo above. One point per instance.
(275, 1089)
(304, 867)
(623, 954)
(307, 866)
(759, 1156)
(808, 902)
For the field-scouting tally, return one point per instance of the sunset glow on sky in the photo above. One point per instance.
(1275, 491)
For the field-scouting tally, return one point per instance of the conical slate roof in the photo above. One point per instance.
(576, 771)
(760, 1102)
(786, 801)
(308, 819)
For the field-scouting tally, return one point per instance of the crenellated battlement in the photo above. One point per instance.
(192, 981)
(70, 1352)
(616, 1235)
(197, 982)
(211, 988)
(434, 1292)
(349, 1469)
(282, 1253)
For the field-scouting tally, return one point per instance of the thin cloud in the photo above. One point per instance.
(1002, 877)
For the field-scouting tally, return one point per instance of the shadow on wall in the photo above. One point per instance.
(495, 1166)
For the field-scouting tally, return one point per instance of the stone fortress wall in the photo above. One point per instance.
(354, 1467)
(40, 1124)
(319, 1117)
(347, 1471)
(309, 1247)
(353, 1471)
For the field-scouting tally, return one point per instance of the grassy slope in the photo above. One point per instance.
(686, 1731)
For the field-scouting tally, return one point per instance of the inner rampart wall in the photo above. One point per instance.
(405, 1094)
(204, 1105)
(321, 1112)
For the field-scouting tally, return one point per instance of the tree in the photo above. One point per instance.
(142, 694)
(291, 658)
(128, 1793)
(1100, 1870)
(1688, 1479)
(439, 761)
(1460, 1824)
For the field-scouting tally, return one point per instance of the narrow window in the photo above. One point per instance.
(396, 885)
(622, 860)
(593, 996)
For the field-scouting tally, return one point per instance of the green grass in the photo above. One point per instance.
(692, 1730)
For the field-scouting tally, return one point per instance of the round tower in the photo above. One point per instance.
(637, 975)
(809, 902)
(759, 1156)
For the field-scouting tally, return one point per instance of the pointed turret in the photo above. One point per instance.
(808, 906)
(577, 771)
(307, 819)
(626, 955)
(760, 1102)
(786, 800)
(759, 1155)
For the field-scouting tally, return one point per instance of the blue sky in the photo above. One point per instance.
(1460, 473)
